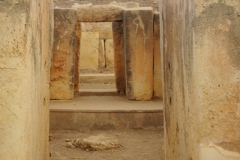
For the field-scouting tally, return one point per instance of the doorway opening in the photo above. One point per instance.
(96, 58)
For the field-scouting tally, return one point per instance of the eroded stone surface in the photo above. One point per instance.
(99, 13)
(25, 56)
(119, 58)
(64, 48)
(157, 72)
(94, 143)
(89, 50)
(138, 30)
(201, 78)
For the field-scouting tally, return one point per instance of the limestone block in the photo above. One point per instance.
(109, 53)
(89, 50)
(101, 58)
(131, 5)
(76, 77)
(99, 13)
(62, 70)
(157, 72)
(138, 39)
(103, 28)
(119, 58)
(25, 56)
(201, 78)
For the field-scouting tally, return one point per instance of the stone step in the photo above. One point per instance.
(98, 92)
(97, 78)
(105, 113)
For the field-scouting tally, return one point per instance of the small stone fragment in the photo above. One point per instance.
(94, 143)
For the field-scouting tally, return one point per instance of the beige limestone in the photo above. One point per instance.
(95, 143)
(89, 50)
(109, 53)
(64, 51)
(201, 78)
(119, 58)
(25, 53)
(101, 55)
(157, 67)
(138, 39)
(103, 28)
(78, 38)
(99, 13)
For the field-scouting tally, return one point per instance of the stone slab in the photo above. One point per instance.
(110, 112)
(78, 38)
(109, 53)
(139, 43)
(201, 78)
(25, 59)
(99, 13)
(64, 48)
(119, 57)
(89, 50)
(102, 54)
(157, 62)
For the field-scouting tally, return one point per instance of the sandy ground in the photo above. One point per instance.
(137, 145)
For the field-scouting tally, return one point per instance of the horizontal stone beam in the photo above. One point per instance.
(99, 13)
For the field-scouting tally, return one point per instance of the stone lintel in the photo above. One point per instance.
(99, 13)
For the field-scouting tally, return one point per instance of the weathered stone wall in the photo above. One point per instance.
(201, 57)
(25, 53)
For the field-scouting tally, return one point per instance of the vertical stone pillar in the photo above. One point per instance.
(78, 38)
(25, 56)
(138, 46)
(64, 47)
(157, 67)
(119, 58)
(201, 55)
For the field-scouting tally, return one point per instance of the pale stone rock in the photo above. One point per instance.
(157, 72)
(103, 28)
(131, 5)
(138, 39)
(101, 58)
(99, 13)
(109, 53)
(200, 44)
(94, 143)
(89, 50)
(25, 59)
(62, 69)
(119, 58)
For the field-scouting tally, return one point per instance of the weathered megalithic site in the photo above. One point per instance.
(146, 80)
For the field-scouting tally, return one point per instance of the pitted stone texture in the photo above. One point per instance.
(139, 43)
(119, 58)
(99, 13)
(157, 72)
(89, 50)
(95, 143)
(109, 53)
(62, 70)
(201, 78)
(25, 56)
